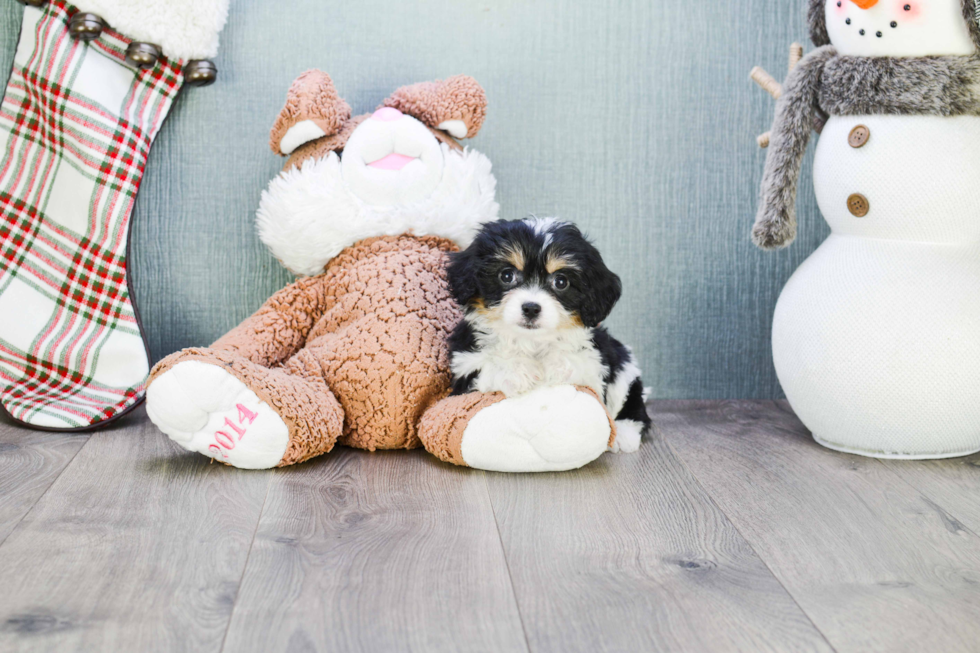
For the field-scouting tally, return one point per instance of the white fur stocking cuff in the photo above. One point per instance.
(185, 29)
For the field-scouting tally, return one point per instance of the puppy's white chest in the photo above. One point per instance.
(516, 364)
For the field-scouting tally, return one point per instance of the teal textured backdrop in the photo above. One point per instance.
(635, 119)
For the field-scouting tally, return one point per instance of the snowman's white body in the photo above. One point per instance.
(876, 337)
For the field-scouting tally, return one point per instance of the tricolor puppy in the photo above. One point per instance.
(534, 293)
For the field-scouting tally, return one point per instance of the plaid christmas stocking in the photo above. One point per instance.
(76, 125)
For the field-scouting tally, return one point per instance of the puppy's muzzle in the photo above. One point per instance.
(530, 311)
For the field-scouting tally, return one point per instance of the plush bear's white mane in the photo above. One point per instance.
(307, 215)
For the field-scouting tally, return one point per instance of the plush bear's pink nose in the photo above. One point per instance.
(387, 114)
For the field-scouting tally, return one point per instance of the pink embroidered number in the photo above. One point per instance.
(225, 441)
(246, 414)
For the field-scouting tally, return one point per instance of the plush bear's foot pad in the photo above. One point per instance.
(547, 430)
(206, 409)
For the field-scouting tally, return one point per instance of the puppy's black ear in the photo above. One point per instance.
(605, 290)
(462, 274)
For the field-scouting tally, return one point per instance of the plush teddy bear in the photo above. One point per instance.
(366, 212)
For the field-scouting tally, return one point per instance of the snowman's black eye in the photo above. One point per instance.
(838, 4)
(907, 7)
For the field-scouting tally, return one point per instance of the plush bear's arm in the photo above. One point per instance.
(548, 429)
(775, 224)
(279, 328)
(442, 426)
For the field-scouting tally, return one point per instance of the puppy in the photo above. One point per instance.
(534, 293)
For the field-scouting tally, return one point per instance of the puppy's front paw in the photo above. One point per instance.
(628, 436)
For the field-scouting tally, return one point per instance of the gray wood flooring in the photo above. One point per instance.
(729, 531)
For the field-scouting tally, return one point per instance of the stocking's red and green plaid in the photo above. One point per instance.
(76, 125)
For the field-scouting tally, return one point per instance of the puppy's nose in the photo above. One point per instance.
(387, 114)
(530, 310)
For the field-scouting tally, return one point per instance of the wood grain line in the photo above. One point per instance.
(510, 575)
(384, 551)
(735, 526)
(952, 485)
(874, 563)
(630, 553)
(30, 463)
(136, 547)
(248, 556)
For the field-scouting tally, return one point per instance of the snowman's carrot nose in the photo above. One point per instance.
(865, 4)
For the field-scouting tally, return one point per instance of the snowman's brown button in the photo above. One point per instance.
(858, 205)
(859, 136)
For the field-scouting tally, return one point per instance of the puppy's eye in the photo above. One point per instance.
(559, 282)
(509, 276)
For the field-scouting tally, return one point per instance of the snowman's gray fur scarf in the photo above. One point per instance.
(861, 86)
(825, 83)
(796, 110)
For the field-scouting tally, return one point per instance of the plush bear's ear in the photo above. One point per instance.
(313, 110)
(457, 105)
(462, 273)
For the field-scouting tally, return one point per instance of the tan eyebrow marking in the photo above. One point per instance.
(555, 263)
(515, 257)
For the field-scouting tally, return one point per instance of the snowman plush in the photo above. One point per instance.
(876, 337)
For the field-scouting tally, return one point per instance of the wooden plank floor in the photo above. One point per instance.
(729, 531)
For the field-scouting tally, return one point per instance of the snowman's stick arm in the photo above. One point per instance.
(774, 88)
(767, 82)
(796, 109)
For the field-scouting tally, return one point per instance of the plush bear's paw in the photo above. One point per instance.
(206, 409)
(628, 435)
(547, 430)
